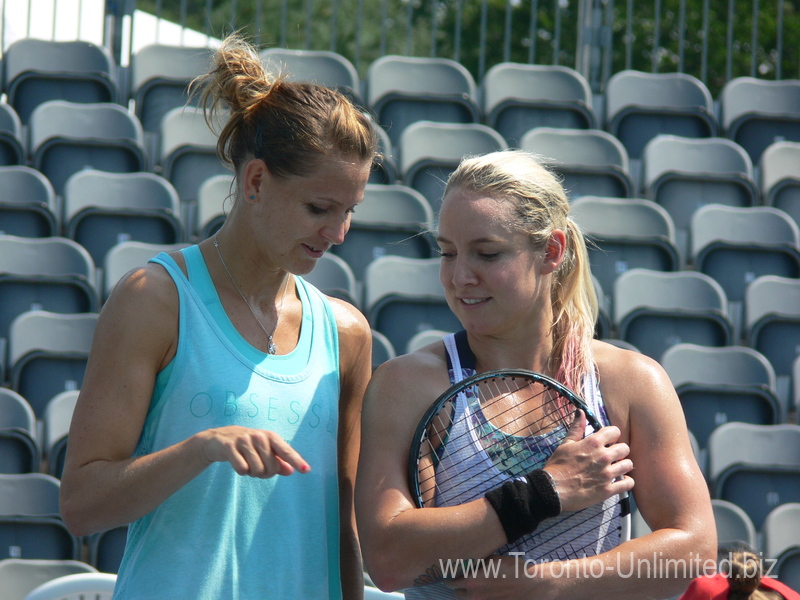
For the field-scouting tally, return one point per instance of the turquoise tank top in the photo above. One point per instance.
(224, 536)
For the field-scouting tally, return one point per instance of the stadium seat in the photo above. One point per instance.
(604, 326)
(772, 323)
(384, 168)
(430, 151)
(126, 256)
(403, 296)
(48, 354)
(54, 274)
(37, 71)
(214, 195)
(781, 531)
(683, 174)
(81, 586)
(30, 525)
(591, 161)
(640, 106)
(625, 233)
(107, 547)
(402, 90)
(733, 524)
(737, 245)
(423, 338)
(159, 79)
(27, 203)
(322, 67)
(104, 209)
(780, 177)
(654, 310)
(392, 220)
(756, 467)
(22, 575)
(717, 385)
(334, 277)
(55, 427)
(67, 137)
(758, 112)
(19, 448)
(188, 152)
(518, 97)
(794, 397)
(12, 147)
(382, 349)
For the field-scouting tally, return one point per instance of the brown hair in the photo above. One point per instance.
(744, 576)
(289, 125)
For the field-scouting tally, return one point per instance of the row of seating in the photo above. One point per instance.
(400, 90)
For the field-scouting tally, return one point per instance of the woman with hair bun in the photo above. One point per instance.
(515, 271)
(220, 410)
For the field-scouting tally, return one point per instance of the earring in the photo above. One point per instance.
(253, 197)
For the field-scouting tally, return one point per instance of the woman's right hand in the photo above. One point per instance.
(589, 469)
(253, 452)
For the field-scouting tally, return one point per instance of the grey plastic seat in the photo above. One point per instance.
(159, 79)
(106, 548)
(36, 71)
(756, 467)
(67, 137)
(55, 427)
(430, 151)
(733, 524)
(404, 296)
(97, 586)
(54, 274)
(212, 197)
(720, 385)
(683, 174)
(604, 326)
(772, 323)
(758, 112)
(22, 575)
(12, 147)
(188, 152)
(19, 448)
(30, 525)
(625, 233)
(591, 161)
(654, 310)
(736, 245)
(518, 97)
(423, 338)
(322, 67)
(384, 168)
(794, 397)
(640, 106)
(401, 90)
(126, 256)
(782, 542)
(27, 203)
(780, 177)
(104, 209)
(392, 220)
(333, 276)
(382, 349)
(48, 354)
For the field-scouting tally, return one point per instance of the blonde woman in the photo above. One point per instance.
(220, 411)
(515, 272)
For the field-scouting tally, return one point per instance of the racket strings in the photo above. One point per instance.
(515, 423)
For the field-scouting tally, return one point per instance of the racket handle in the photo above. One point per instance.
(523, 503)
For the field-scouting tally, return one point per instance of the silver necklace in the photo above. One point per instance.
(271, 347)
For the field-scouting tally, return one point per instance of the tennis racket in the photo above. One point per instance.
(499, 425)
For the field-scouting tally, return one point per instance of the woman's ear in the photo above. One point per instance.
(254, 178)
(554, 251)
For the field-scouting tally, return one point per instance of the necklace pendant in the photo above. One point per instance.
(271, 347)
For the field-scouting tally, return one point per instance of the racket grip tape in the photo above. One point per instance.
(522, 504)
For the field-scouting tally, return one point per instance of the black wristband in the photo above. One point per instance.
(522, 505)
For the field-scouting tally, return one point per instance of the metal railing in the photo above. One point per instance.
(714, 40)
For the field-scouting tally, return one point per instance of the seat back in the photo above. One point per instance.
(19, 448)
(12, 150)
(37, 71)
(212, 197)
(430, 151)
(401, 90)
(333, 276)
(126, 256)
(27, 203)
(772, 320)
(22, 575)
(56, 421)
(758, 112)
(591, 161)
(733, 524)
(98, 586)
(640, 106)
(322, 67)
(104, 209)
(519, 97)
(780, 177)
